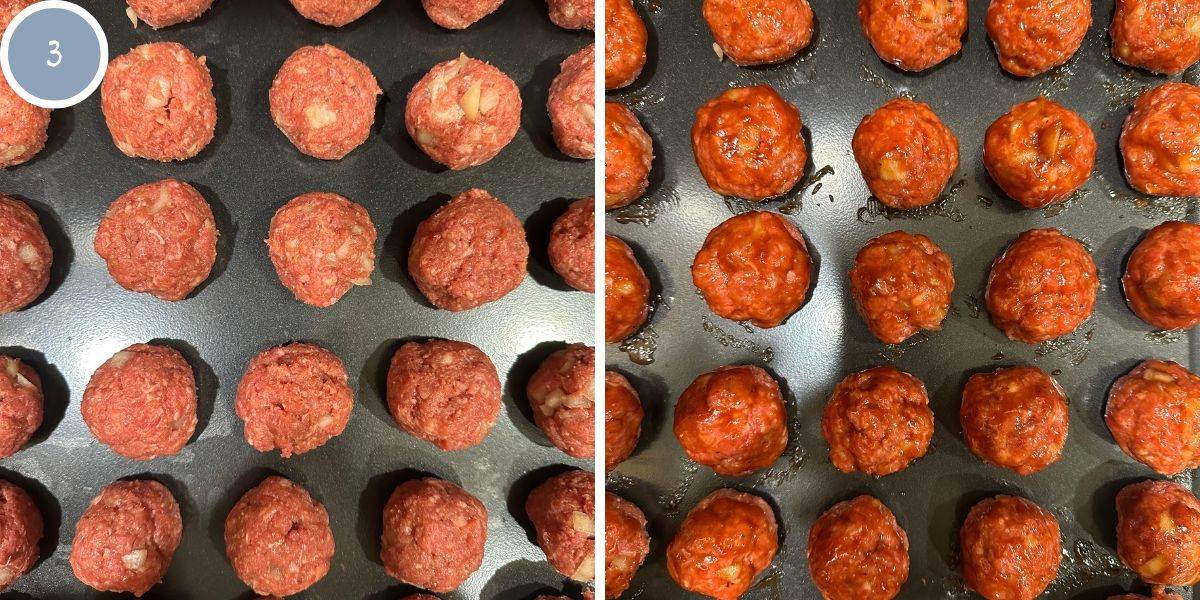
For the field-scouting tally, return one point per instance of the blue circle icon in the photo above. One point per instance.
(54, 54)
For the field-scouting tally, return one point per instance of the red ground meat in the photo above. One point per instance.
(1153, 413)
(142, 402)
(164, 13)
(20, 532)
(623, 415)
(905, 153)
(732, 420)
(125, 539)
(433, 534)
(459, 14)
(444, 392)
(628, 156)
(1160, 142)
(877, 421)
(294, 398)
(1162, 36)
(626, 543)
(159, 238)
(914, 34)
(1158, 593)
(1162, 277)
(1034, 36)
(25, 255)
(857, 550)
(1015, 418)
(901, 283)
(468, 253)
(323, 100)
(158, 102)
(625, 39)
(20, 406)
(278, 538)
(1039, 152)
(759, 33)
(572, 247)
(724, 543)
(626, 291)
(23, 129)
(562, 396)
(1042, 287)
(748, 143)
(1158, 532)
(573, 14)
(9, 10)
(1010, 548)
(563, 514)
(571, 104)
(322, 245)
(334, 13)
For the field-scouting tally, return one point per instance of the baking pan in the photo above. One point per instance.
(248, 171)
(834, 83)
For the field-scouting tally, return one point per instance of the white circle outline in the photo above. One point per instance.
(87, 18)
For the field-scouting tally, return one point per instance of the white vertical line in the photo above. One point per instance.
(601, 350)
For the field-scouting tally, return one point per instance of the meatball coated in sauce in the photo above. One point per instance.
(914, 35)
(877, 421)
(723, 544)
(1153, 413)
(628, 154)
(459, 14)
(126, 537)
(1162, 277)
(562, 396)
(732, 420)
(905, 153)
(9, 10)
(1034, 36)
(25, 255)
(572, 248)
(164, 13)
(323, 100)
(1042, 287)
(1162, 36)
(444, 392)
(626, 543)
(570, 104)
(434, 533)
(334, 13)
(857, 550)
(278, 538)
(20, 532)
(626, 291)
(748, 143)
(754, 267)
(901, 284)
(759, 33)
(563, 515)
(21, 407)
(623, 414)
(625, 39)
(1040, 152)
(1158, 532)
(1015, 418)
(23, 132)
(1160, 142)
(1158, 593)
(463, 112)
(321, 245)
(573, 14)
(1010, 548)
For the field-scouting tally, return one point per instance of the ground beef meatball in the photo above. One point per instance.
(158, 102)
(468, 253)
(857, 550)
(23, 129)
(1162, 36)
(572, 247)
(1010, 548)
(562, 396)
(914, 34)
(1015, 418)
(723, 544)
(20, 532)
(1160, 142)
(1158, 532)
(1158, 593)
(142, 402)
(877, 421)
(573, 14)
(278, 538)
(1039, 153)
(626, 291)
(1042, 287)
(322, 245)
(159, 238)
(754, 267)
(628, 155)
(1034, 36)
(623, 415)
(563, 514)
(323, 100)
(164, 13)
(20, 409)
(444, 392)
(459, 14)
(1162, 277)
(901, 283)
(625, 39)
(294, 398)
(9, 10)
(571, 104)
(463, 112)
(334, 13)
(1153, 413)
(125, 539)
(626, 543)
(25, 255)
(906, 154)
(433, 534)
(732, 420)
(759, 33)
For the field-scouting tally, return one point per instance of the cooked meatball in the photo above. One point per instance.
(1160, 142)
(723, 544)
(1162, 277)
(562, 396)
(877, 421)
(626, 291)
(623, 416)
(433, 534)
(459, 14)
(626, 543)
(1040, 152)
(625, 39)
(1034, 36)
(1158, 593)
(732, 420)
(1015, 418)
(906, 154)
(914, 34)
(901, 283)
(278, 538)
(333, 13)
(321, 245)
(25, 255)
(1162, 36)
(20, 408)
(9, 10)
(1158, 532)
(1010, 548)
(570, 104)
(444, 392)
(857, 550)
(323, 100)
(20, 533)
(126, 537)
(759, 33)
(563, 514)
(23, 132)
(1042, 287)
(164, 13)
(572, 248)
(573, 14)
(628, 155)
(1153, 413)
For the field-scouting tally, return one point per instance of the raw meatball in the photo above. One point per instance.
(334, 13)
(623, 416)
(25, 255)
(159, 238)
(1010, 548)
(573, 14)
(572, 247)
(1162, 36)
(914, 34)
(1158, 532)
(23, 130)
(906, 154)
(463, 112)
(754, 267)
(444, 392)
(877, 421)
(323, 100)
(1015, 418)
(562, 396)
(625, 39)
(459, 14)
(1042, 287)
(126, 537)
(322, 245)
(759, 33)
(563, 514)
(158, 102)
(294, 398)
(1034, 36)
(468, 253)
(20, 409)
(1162, 277)
(164, 13)
(901, 283)
(748, 143)
(141, 403)
(628, 154)
(732, 420)
(1039, 152)
(20, 532)
(278, 538)
(626, 291)
(723, 544)
(1153, 413)
(857, 550)
(1160, 142)
(433, 534)
(626, 543)
(570, 104)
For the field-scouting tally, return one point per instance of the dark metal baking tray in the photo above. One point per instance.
(248, 171)
(834, 83)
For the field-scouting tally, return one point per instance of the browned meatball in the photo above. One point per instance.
(1158, 593)
(623, 416)
(626, 291)
(732, 420)
(1042, 287)
(914, 34)
(723, 544)
(1039, 152)
(856, 550)
(1160, 142)
(877, 421)
(762, 32)
(1034, 36)
(901, 284)
(1010, 548)
(1015, 418)
(905, 152)
(1158, 532)
(1162, 36)
(625, 39)
(626, 543)
(1162, 277)
(628, 155)
(1153, 413)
